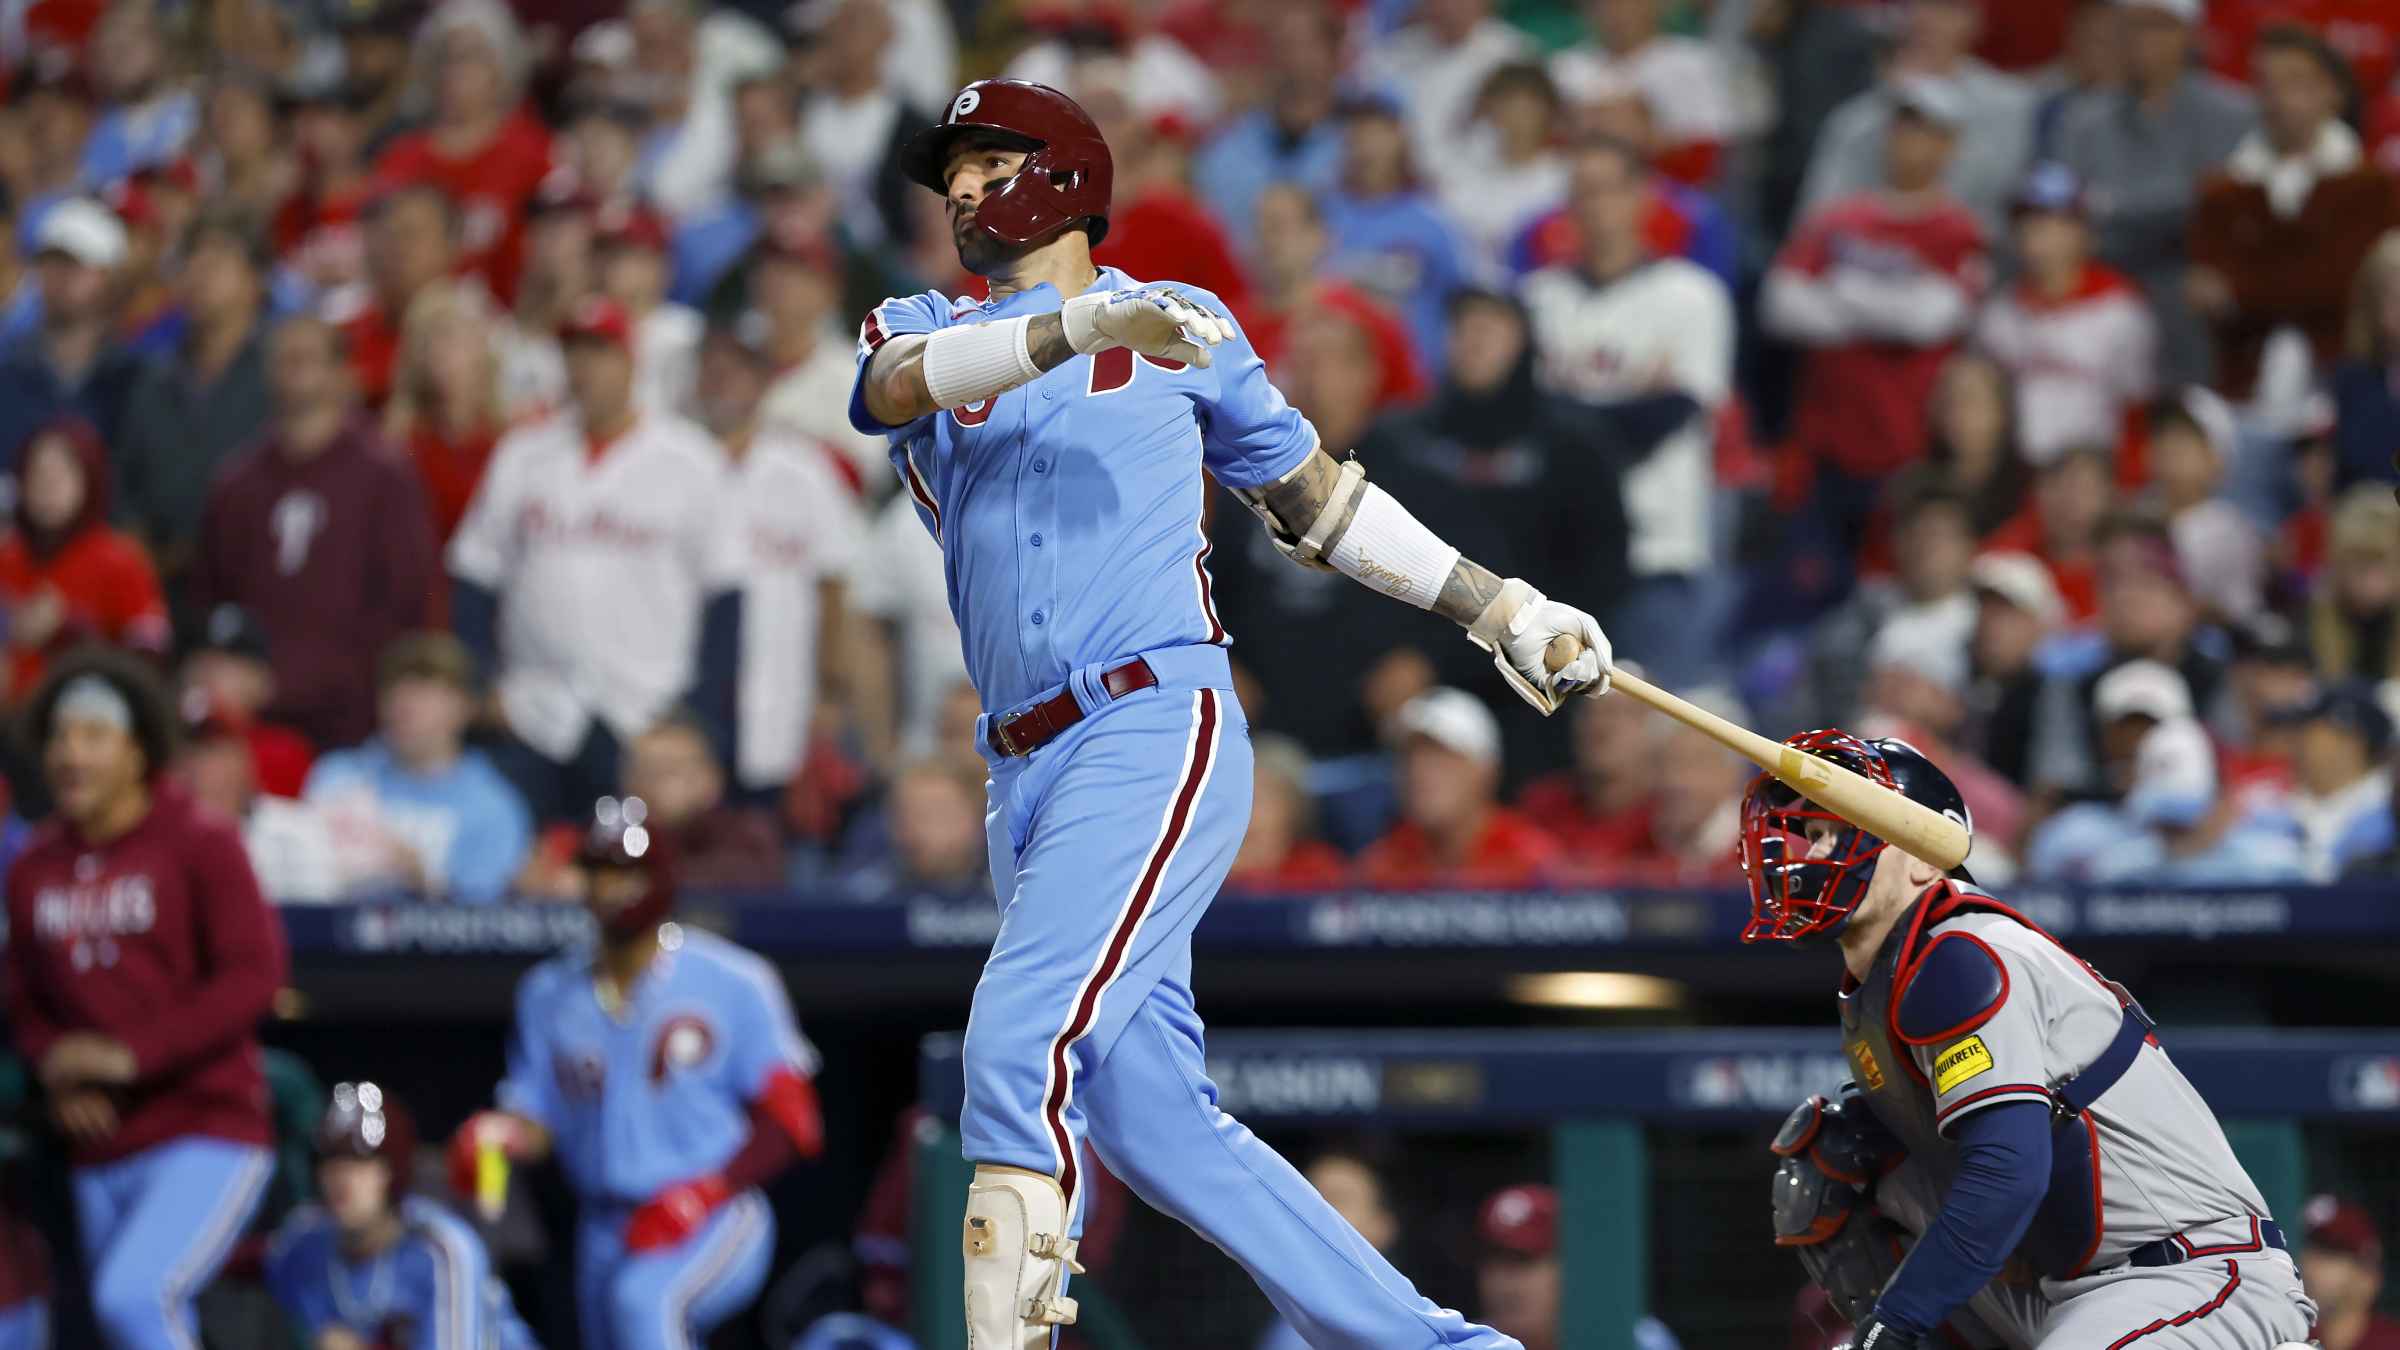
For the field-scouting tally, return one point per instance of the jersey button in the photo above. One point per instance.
(1037, 618)
(1037, 541)
(1041, 466)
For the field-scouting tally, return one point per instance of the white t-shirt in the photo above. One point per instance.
(1438, 84)
(905, 586)
(666, 358)
(812, 399)
(1492, 202)
(1665, 325)
(602, 569)
(800, 527)
(291, 848)
(2079, 363)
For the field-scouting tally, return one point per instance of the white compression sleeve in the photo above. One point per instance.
(1389, 550)
(967, 365)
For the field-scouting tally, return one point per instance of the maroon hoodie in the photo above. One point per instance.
(159, 938)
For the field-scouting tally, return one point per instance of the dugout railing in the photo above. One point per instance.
(1595, 1093)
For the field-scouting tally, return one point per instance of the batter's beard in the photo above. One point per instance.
(981, 254)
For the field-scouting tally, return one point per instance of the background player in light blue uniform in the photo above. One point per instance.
(373, 1266)
(1053, 440)
(665, 1071)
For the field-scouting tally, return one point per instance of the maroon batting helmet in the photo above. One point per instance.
(621, 840)
(364, 1122)
(1066, 178)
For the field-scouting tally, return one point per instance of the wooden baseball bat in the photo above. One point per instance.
(1872, 807)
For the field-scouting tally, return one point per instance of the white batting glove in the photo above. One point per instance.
(1162, 322)
(1517, 627)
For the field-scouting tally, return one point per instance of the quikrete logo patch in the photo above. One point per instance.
(1960, 1063)
(1862, 1059)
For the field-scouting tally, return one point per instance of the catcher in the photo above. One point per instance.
(2061, 1140)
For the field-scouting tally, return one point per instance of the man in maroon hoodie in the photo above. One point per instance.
(142, 957)
(322, 534)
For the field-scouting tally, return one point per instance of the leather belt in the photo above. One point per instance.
(1019, 733)
(2174, 1251)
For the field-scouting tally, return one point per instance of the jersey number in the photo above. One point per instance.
(1112, 370)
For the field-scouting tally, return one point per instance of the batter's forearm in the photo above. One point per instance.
(1470, 590)
(897, 392)
(1307, 492)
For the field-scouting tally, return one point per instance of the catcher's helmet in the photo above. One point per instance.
(1067, 176)
(1804, 885)
(364, 1122)
(620, 840)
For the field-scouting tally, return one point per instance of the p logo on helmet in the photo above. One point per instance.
(965, 103)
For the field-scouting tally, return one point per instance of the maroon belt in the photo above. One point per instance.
(1029, 729)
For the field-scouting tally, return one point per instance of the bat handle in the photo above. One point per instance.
(1562, 650)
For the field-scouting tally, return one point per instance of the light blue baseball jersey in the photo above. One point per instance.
(1068, 509)
(431, 1290)
(658, 1092)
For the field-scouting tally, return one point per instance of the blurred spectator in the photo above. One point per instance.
(933, 814)
(1281, 851)
(558, 276)
(148, 323)
(320, 532)
(225, 668)
(1158, 228)
(2174, 826)
(599, 150)
(237, 152)
(1161, 76)
(2277, 237)
(150, 112)
(1388, 236)
(1933, 542)
(1518, 1278)
(855, 121)
(412, 243)
(2341, 795)
(1683, 79)
(2146, 614)
(20, 286)
(796, 285)
(1677, 220)
(2191, 447)
(2091, 61)
(1293, 283)
(320, 229)
(800, 543)
(2341, 1262)
(1971, 447)
(1440, 62)
(439, 817)
(1512, 171)
(629, 250)
(1916, 691)
(290, 843)
(2143, 149)
(193, 410)
(1990, 115)
(376, 60)
(2354, 617)
(1452, 830)
(2061, 525)
(2017, 609)
(906, 592)
(1599, 808)
(2075, 336)
(65, 576)
(1652, 339)
(674, 767)
(1878, 285)
(69, 366)
(1695, 810)
(478, 145)
(2366, 387)
(593, 577)
(1294, 138)
(54, 99)
(1352, 1185)
(1818, 55)
(445, 411)
(2271, 672)
(779, 194)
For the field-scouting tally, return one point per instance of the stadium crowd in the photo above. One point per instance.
(2021, 379)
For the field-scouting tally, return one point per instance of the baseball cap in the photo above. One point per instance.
(2350, 705)
(2142, 689)
(2174, 775)
(84, 230)
(2342, 1225)
(1455, 720)
(1522, 1220)
(2189, 11)
(2203, 410)
(2051, 188)
(623, 225)
(598, 319)
(1926, 642)
(233, 630)
(1932, 98)
(2022, 580)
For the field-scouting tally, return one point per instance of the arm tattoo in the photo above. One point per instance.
(1467, 592)
(896, 391)
(1297, 497)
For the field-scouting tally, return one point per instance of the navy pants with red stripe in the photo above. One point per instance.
(1107, 845)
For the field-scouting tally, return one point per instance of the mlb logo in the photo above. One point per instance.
(2367, 1084)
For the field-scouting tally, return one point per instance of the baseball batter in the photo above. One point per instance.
(373, 1267)
(1053, 439)
(2064, 1142)
(665, 1071)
